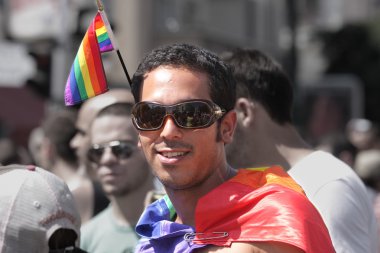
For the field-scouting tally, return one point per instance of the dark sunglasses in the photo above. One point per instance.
(120, 149)
(148, 116)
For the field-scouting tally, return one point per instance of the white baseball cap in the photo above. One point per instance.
(34, 203)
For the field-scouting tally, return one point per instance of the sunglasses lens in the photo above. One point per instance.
(193, 114)
(190, 114)
(149, 116)
(123, 150)
(95, 153)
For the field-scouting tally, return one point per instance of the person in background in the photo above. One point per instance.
(367, 166)
(92, 197)
(326, 116)
(363, 134)
(11, 153)
(56, 155)
(185, 117)
(34, 144)
(266, 135)
(125, 177)
(38, 212)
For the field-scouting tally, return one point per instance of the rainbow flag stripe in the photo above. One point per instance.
(87, 78)
(102, 36)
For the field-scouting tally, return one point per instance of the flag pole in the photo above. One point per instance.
(124, 68)
(101, 8)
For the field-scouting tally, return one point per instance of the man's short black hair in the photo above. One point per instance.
(222, 84)
(262, 79)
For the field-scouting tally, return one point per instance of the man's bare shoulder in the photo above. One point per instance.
(257, 247)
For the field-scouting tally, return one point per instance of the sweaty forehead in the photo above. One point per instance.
(169, 85)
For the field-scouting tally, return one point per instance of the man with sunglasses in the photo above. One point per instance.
(88, 193)
(184, 113)
(125, 177)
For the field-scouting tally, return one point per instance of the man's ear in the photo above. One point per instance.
(47, 149)
(228, 126)
(245, 109)
(139, 142)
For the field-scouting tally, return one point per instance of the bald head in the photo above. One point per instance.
(87, 113)
(92, 106)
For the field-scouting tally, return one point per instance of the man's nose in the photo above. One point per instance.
(170, 130)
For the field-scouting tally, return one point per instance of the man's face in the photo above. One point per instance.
(90, 108)
(118, 175)
(180, 158)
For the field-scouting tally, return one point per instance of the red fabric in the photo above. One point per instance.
(257, 206)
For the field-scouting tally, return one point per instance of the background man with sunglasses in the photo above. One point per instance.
(88, 193)
(125, 177)
(184, 113)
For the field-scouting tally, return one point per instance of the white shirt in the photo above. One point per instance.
(341, 198)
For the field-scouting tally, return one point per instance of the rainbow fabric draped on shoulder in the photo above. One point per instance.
(259, 205)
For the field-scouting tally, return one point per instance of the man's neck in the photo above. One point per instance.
(185, 201)
(128, 208)
(280, 145)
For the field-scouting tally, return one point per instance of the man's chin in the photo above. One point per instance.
(115, 191)
(176, 185)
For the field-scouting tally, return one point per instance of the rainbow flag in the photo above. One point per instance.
(259, 206)
(87, 78)
(104, 37)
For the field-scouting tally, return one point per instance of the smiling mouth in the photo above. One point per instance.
(173, 154)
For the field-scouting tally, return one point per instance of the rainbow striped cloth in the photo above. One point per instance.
(87, 78)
